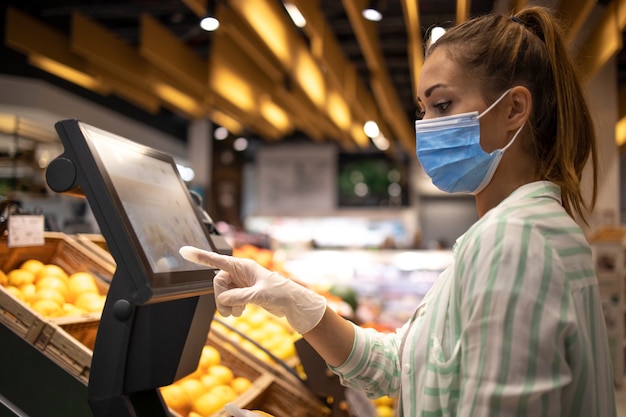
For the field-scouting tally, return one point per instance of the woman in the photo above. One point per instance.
(514, 326)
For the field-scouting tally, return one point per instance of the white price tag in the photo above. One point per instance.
(25, 230)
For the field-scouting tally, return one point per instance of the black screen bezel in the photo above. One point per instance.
(196, 279)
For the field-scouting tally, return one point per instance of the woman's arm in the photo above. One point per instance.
(332, 338)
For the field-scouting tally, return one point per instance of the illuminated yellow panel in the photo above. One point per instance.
(177, 98)
(227, 121)
(310, 78)
(338, 111)
(620, 132)
(274, 114)
(358, 135)
(233, 88)
(269, 24)
(63, 71)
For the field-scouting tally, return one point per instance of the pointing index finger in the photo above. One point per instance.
(203, 257)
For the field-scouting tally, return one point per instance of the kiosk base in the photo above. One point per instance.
(34, 384)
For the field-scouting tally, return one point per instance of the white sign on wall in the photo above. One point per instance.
(296, 179)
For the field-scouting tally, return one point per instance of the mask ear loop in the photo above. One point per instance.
(495, 103)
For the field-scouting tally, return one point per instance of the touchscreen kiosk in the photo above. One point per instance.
(159, 306)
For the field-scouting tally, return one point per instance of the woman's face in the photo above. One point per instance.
(445, 89)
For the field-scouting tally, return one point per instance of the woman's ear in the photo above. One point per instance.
(521, 105)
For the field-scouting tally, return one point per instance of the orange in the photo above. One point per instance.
(32, 265)
(80, 282)
(48, 294)
(55, 283)
(210, 356)
(47, 307)
(50, 269)
(193, 387)
(90, 301)
(222, 372)
(240, 384)
(4, 280)
(176, 398)
(19, 277)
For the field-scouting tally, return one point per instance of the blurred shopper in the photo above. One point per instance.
(514, 327)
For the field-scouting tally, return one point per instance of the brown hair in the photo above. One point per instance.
(528, 49)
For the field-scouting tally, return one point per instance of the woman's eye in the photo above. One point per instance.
(441, 107)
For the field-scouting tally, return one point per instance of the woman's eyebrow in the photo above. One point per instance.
(429, 90)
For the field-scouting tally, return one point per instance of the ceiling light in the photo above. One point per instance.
(436, 33)
(371, 129)
(210, 22)
(374, 10)
(295, 14)
(220, 133)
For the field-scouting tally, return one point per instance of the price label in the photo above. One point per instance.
(25, 230)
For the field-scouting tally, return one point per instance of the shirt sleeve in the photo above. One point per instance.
(373, 365)
(513, 302)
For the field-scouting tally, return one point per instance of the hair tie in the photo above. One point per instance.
(517, 20)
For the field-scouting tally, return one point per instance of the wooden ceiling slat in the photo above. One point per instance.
(164, 50)
(604, 42)
(384, 91)
(415, 49)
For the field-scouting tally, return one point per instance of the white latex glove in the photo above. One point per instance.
(243, 281)
(235, 411)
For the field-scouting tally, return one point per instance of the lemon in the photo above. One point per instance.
(240, 384)
(210, 356)
(32, 265)
(50, 269)
(90, 302)
(18, 277)
(193, 387)
(47, 307)
(81, 282)
(222, 373)
(48, 294)
(176, 398)
(55, 283)
(14, 291)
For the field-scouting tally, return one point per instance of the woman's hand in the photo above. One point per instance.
(243, 281)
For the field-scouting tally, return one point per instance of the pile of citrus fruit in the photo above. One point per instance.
(51, 291)
(207, 390)
(272, 333)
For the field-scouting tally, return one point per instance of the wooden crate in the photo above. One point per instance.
(95, 244)
(62, 250)
(270, 392)
(51, 339)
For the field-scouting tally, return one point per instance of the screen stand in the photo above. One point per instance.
(140, 348)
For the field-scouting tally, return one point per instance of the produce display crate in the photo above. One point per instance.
(269, 392)
(286, 370)
(51, 339)
(59, 249)
(96, 245)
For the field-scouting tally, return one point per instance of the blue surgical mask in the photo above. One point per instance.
(449, 150)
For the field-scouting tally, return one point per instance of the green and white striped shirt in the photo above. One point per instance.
(514, 327)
